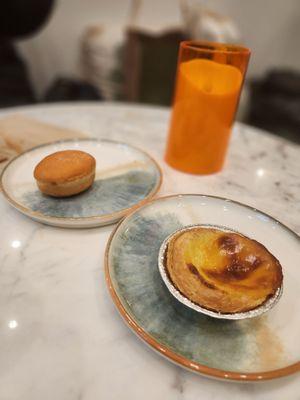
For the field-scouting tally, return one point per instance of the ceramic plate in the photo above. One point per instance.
(126, 177)
(260, 348)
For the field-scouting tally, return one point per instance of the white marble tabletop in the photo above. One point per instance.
(61, 336)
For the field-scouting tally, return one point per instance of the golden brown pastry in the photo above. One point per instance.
(65, 173)
(222, 271)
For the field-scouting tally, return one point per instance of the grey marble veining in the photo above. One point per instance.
(61, 337)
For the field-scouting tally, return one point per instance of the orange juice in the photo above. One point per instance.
(206, 99)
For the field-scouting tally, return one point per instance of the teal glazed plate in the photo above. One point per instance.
(126, 178)
(264, 347)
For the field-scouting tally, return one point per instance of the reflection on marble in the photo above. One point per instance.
(69, 342)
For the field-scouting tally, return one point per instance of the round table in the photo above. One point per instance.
(61, 336)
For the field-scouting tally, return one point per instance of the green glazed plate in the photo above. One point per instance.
(264, 347)
(126, 178)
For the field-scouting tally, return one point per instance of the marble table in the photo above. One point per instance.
(61, 336)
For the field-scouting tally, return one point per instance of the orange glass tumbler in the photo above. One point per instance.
(210, 77)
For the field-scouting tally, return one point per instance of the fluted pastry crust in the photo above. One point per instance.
(222, 271)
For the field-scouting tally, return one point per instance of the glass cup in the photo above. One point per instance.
(210, 77)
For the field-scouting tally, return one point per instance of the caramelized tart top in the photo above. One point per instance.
(222, 271)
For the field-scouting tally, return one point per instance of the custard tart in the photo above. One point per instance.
(222, 271)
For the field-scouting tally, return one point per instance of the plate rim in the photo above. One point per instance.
(106, 218)
(201, 369)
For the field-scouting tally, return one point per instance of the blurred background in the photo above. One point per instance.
(111, 50)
